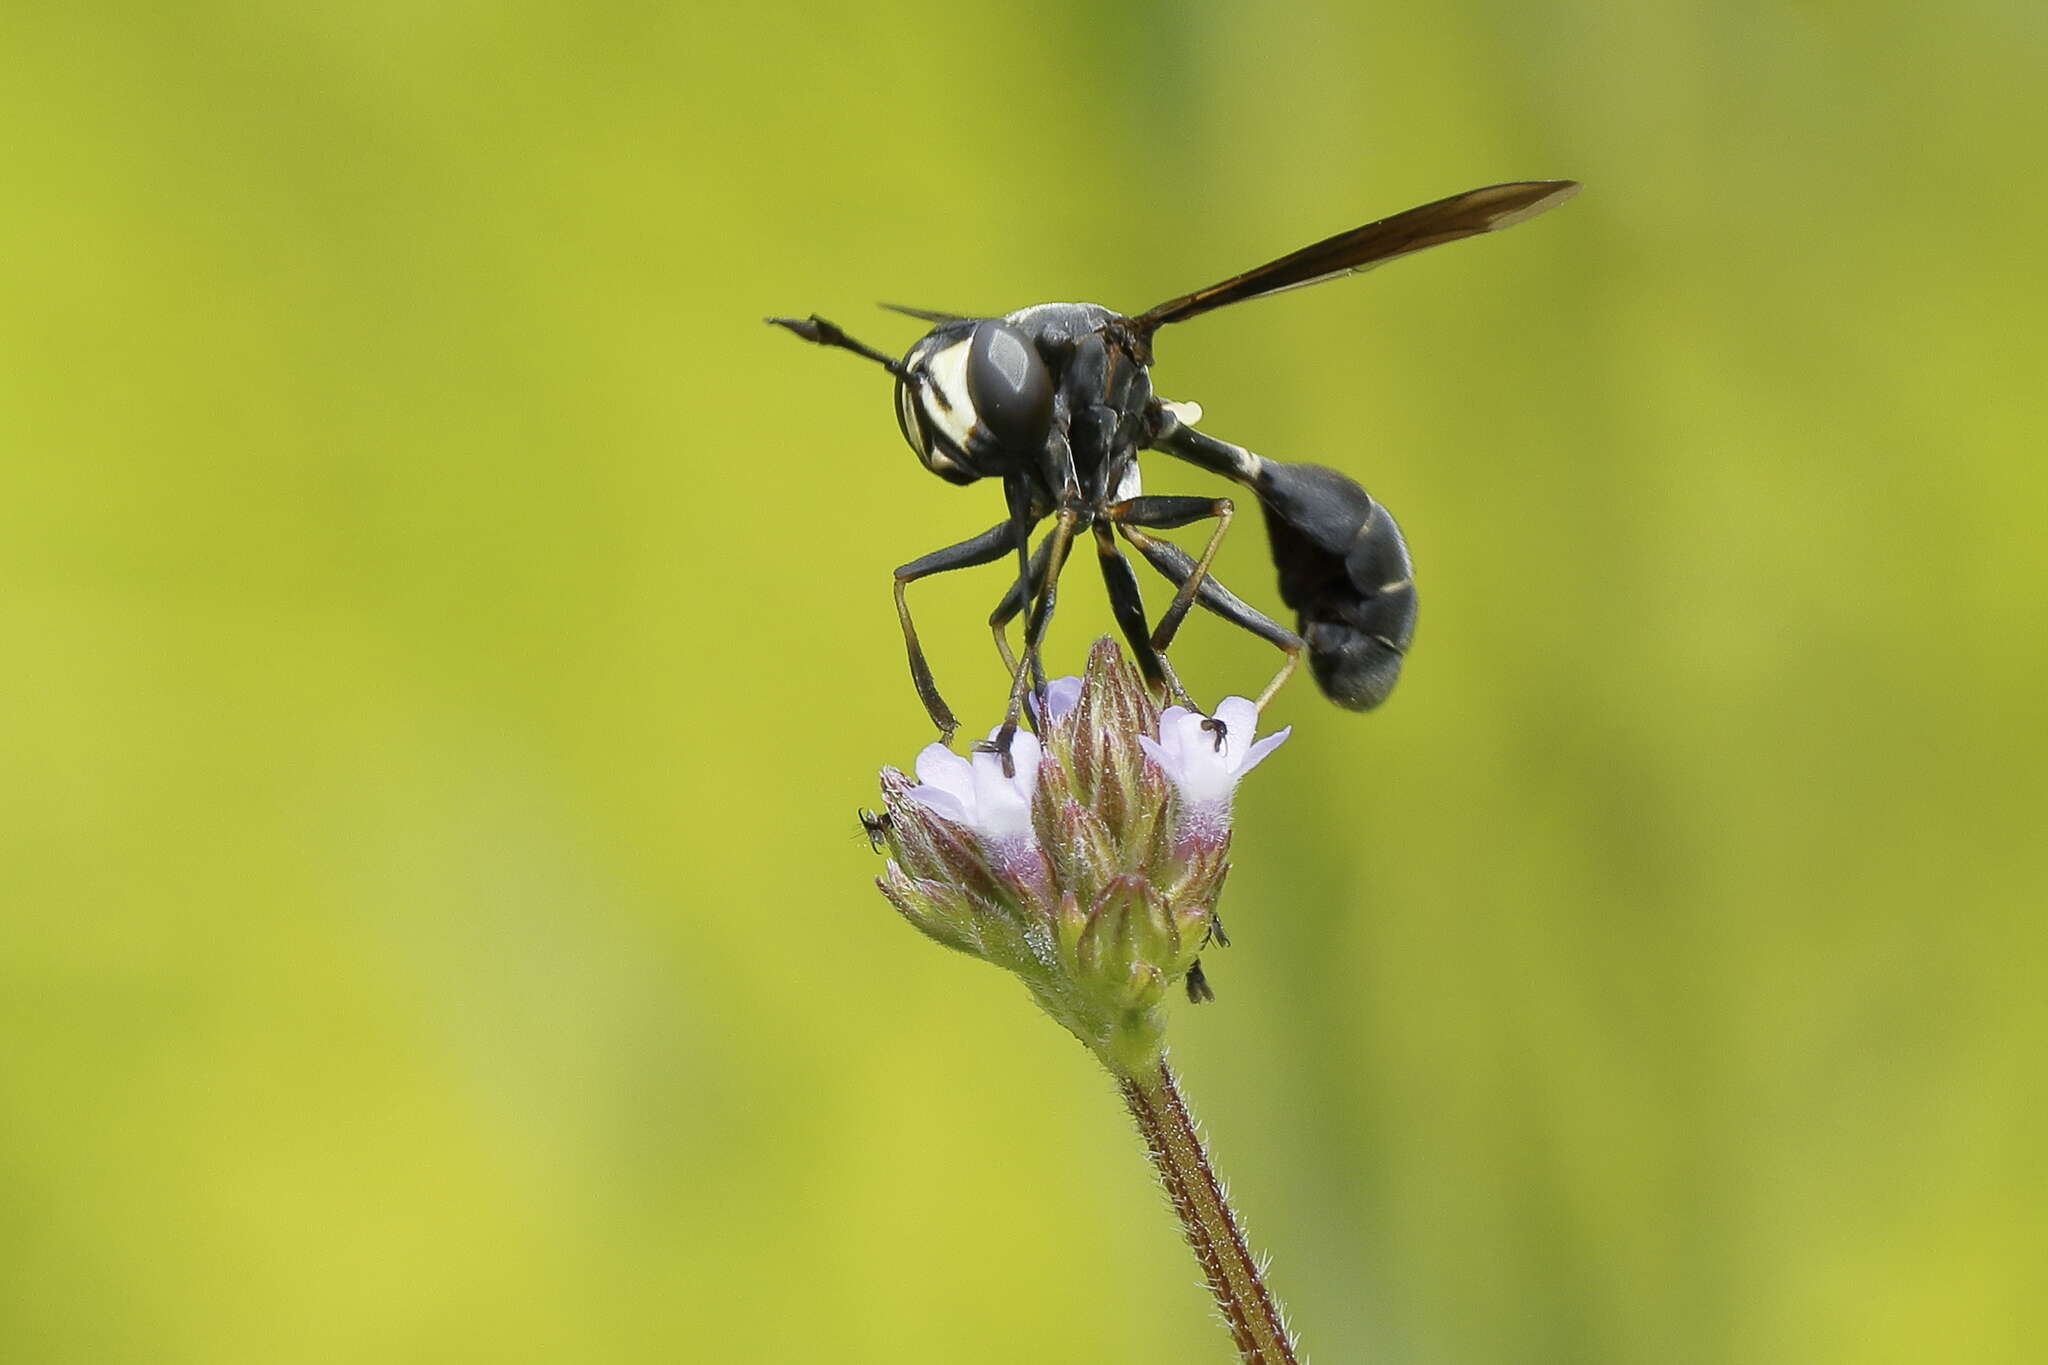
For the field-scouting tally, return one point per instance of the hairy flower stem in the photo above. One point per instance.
(1206, 1216)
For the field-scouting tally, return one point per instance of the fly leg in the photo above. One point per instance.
(985, 548)
(1180, 568)
(1058, 540)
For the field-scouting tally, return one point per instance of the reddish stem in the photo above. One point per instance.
(1207, 1219)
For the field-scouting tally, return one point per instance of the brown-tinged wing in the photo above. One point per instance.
(1362, 248)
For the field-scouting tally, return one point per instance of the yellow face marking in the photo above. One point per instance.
(947, 406)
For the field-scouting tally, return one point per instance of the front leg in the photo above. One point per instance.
(1059, 539)
(1013, 602)
(985, 548)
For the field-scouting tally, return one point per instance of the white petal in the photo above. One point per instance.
(1205, 776)
(1002, 802)
(1027, 753)
(1265, 746)
(941, 803)
(940, 767)
(1177, 725)
(1206, 763)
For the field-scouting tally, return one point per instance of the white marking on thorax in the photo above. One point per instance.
(1128, 486)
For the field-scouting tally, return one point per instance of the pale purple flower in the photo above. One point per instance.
(1203, 766)
(1061, 871)
(974, 792)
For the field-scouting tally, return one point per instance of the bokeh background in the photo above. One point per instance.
(446, 638)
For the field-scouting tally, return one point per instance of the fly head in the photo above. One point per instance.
(974, 398)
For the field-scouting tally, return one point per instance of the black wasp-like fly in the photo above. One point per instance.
(1056, 401)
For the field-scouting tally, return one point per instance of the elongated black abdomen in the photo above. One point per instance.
(1344, 569)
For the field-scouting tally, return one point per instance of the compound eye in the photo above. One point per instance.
(1010, 386)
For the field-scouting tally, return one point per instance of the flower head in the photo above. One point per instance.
(1092, 870)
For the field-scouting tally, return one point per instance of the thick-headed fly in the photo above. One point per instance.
(1056, 401)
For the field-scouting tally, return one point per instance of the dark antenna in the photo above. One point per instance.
(815, 328)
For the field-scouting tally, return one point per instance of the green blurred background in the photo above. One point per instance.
(446, 638)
